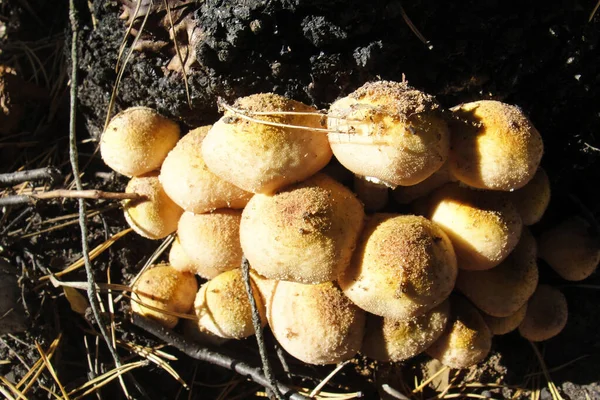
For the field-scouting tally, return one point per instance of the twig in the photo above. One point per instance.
(258, 328)
(594, 11)
(12, 178)
(185, 79)
(67, 194)
(414, 29)
(73, 156)
(206, 354)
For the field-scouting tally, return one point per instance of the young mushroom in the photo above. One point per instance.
(179, 260)
(389, 131)
(211, 240)
(494, 146)
(316, 324)
(546, 314)
(260, 155)
(165, 290)
(303, 233)
(403, 266)
(504, 325)
(532, 199)
(501, 291)
(571, 248)
(223, 308)
(467, 339)
(484, 227)
(155, 216)
(388, 339)
(137, 140)
(189, 183)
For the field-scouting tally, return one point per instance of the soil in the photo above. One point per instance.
(539, 55)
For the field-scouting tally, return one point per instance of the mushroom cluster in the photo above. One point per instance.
(337, 271)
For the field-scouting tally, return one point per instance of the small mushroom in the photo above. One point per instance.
(316, 324)
(532, 199)
(155, 216)
(303, 233)
(223, 308)
(571, 248)
(164, 288)
(504, 325)
(484, 227)
(494, 146)
(263, 157)
(394, 340)
(467, 339)
(389, 131)
(212, 240)
(137, 140)
(188, 181)
(501, 291)
(179, 260)
(403, 266)
(546, 314)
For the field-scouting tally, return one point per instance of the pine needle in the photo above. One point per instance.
(51, 370)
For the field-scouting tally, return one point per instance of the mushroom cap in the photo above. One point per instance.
(504, 325)
(571, 249)
(316, 324)
(484, 227)
(546, 314)
(467, 339)
(189, 183)
(304, 233)
(212, 240)
(504, 289)
(494, 146)
(407, 194)
(137, 140)
(164, 288)
(262, 158)
(394, 340)
(179, 260)
(390, 131)
(154, 217)
(403, 266)
(223, 308)
(532, 199)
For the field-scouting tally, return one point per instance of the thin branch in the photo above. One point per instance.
(258, 328)
(12, 178)
(414, 29)
(67, 194)
(594, 11)
(74, 158)
(211, 356)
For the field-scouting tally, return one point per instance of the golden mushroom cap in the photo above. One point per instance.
(394, 340)
(546, 314)
(389, 131)
(137, 140)
(501, 291)
(484, 227)
(188, 181)
(504, 325)
(180, 260)
(212, 240)
(154, 217)
(571, 249)
(164, 288)
(303, 233)
(316, 324)
(532, 199)
(223, 308)
(467, 339)
(494, 146)
(403, 266)
(262, 158)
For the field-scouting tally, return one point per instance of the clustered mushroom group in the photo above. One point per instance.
(328, 279)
